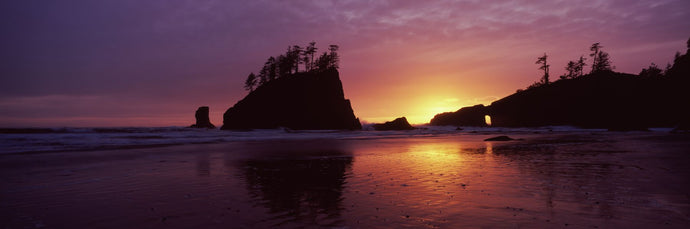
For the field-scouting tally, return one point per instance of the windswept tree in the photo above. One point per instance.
(651, 71)
(335, 59)
(250, 83)
(328, 60)
(596, 50)
(270, 65)
(263, 75)
(284, 66)
(294, 56)
(580, 66)
(571, 68)
(603, 62)
(309, 52)
(574, 68)
(543, 65)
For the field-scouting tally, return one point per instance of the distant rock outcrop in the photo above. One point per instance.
(202, 120)
(397, 124)
(304, 101)
(499, 139)
(466, 116)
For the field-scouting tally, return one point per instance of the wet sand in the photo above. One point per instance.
(579, 180)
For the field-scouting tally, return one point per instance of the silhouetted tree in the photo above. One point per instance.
(603, 62)
(309, 53)
(334, 59)
(284, 66)
(545, 67)
(580, 66)
(595, 48)
(270, 65)
(295, 55)
(250, 83)
(651, 71)
(263, 75)
(571, 67)
(288, 63)
(328, 60)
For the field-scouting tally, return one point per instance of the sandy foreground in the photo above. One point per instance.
(577, 180)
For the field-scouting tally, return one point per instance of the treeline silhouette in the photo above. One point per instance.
(288, 64)
(600, 62)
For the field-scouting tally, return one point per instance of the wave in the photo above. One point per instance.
(33, 140)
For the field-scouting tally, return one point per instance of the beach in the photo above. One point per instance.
(583, 179)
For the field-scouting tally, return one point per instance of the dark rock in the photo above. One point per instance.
(202, 120)
(466, 116)
(681, 128)
(397, 124)
(303, 101)
(603, 99)
(608, 100)
(499, 138)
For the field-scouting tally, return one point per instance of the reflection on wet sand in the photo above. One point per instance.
(308, 190)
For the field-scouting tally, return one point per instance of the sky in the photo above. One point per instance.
(95, 63)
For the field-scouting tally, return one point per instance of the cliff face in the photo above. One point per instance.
(311, 100)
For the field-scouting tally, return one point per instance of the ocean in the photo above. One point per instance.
(35, 140)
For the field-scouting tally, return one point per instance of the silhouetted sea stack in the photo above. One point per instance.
(202, 120)
(304, 101)
(397, 124)
(610, 100)
(466, 116)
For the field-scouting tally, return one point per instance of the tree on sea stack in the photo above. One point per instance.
(250, 83)
(309, 53)
(601, 60)
(580, 65)
(545, 67)
(287, 64)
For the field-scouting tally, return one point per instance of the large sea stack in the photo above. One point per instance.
(304, 101)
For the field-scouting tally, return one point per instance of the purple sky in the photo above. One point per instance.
(152, 63)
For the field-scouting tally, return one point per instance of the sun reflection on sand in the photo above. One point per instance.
(425, 180)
